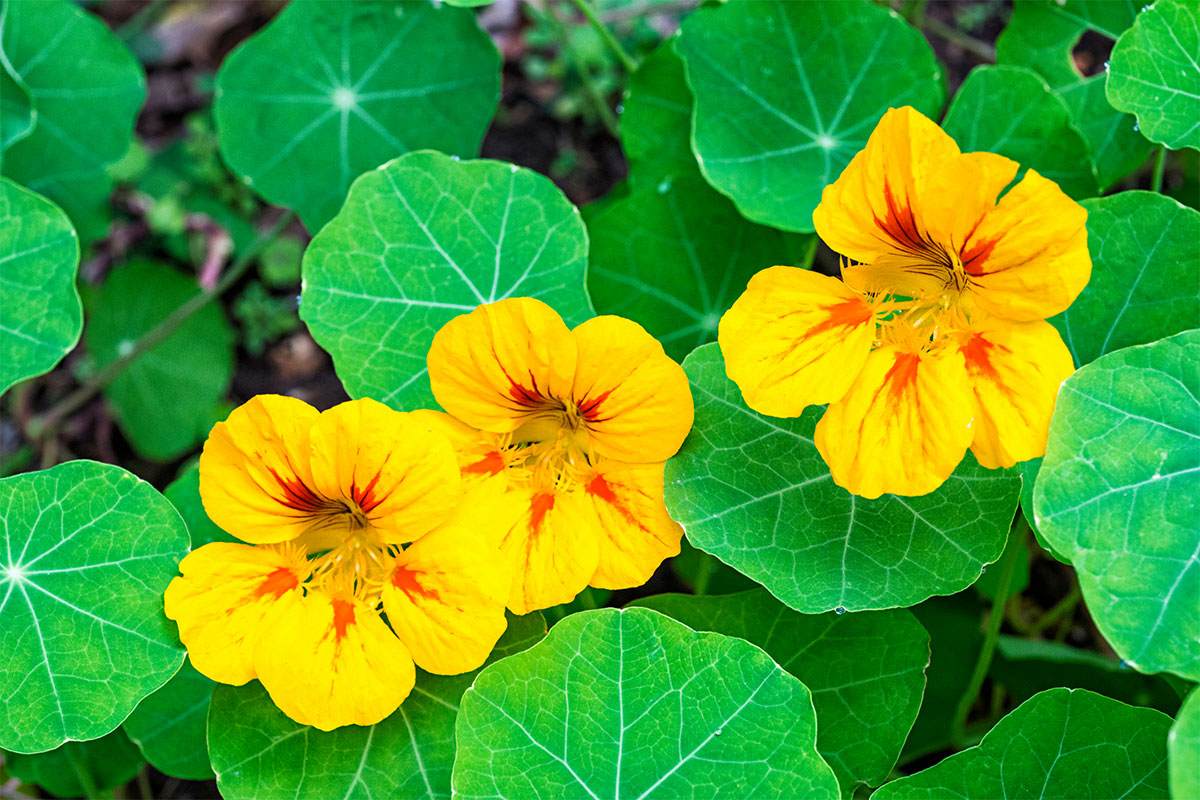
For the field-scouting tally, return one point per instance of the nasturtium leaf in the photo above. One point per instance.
(184, 494)
(787, 93)
(656, 121)
(1116, 145)
(17, 110)
(1154, 73)
(165, 400)
(1064, 743)
(1183, 750)
(704, 573)
(1013, 112)
(753, 491)
(866, 671)
(1041, 34)
(88, 552)
(170, 726)
(422, 239)
(1119, 496)
(259, 753)
(107, 762)
(630, 703)
(1025, 667)
(40, 315)
(364, 82)
(87, 88)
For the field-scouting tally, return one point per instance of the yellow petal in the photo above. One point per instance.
(902, 427)
(1016, 371)
(1028, 259)
(632, 397)
(254, 474)
(502, 364)
(445, 600)
(553, 549)
(400, 475)
(637, 534)
(795, 338)
(221, 601)
(329, 662)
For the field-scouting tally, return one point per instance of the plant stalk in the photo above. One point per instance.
(1160, 168)
(90, 790)
(969, 43)
(622, 55)
(606, 114)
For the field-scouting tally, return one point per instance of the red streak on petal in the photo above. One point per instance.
(406, 580)
(343, 618)
(900, 224)
(298, 496)
(538, 508)
(278, 583)
(979, 353)
(902, 376)
(366, 499)
(846, 314)
(590, 409)
(491, 464)
(602, 490)
(973, 260)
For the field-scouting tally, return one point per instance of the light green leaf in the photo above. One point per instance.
(184, 494)
(1154, 73)
(1119, 496)
(259, 753)
(88, 551)
(753, 491)
(108, 762)
(1116, 145)
(187, 373)
(656, 121)
(170, 726)
(421, 240)
(87, 88)
(40, 314)
(787, 93)
(1013, 112)
(1183, 748)
(630, 703)
(328, 91)
(866, 671)
(1064, 743)
(1041, 34)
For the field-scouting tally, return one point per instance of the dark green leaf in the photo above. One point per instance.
(170, 725)
(706, 574)
(1117, 147)
(16, 107)
(107, 762)
(656, 122)
(1042, 33)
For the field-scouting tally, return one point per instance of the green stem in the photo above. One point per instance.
(606, 114)
(142, 19)
(1160, 167)
(1061, 608)
(969, 43)
(704, 574)
(144, 788)
(40, 425)
(622, 55)
(90, 790)
(959, 726)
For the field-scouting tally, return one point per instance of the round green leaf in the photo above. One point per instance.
(1154, 73)
(259, 753)
(330, 90)
(188, 372)
(787, 93)
(754, 492)
(630, 703)
(656, 120)
(866, 671)
(1116, 145)
(1063, 743)
(40, 315)
(1119, 496)
(17, 109)
(184, 494)
(87, 88)
(1041, 34)
(1183, 750)
(422, 239)
(88, 552)
(107, 762)
(1037, 131)
(170, 726)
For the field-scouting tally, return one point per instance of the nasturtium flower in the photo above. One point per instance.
(562, 436)
(346, 514)
(935, 339)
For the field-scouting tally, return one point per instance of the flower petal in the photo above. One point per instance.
(1028, 259)
(255, 479)
(637, 533)
(445, 600)
(553, 549)
(902, 427)
(402, 476)
(497, 366)
(632, 397)
(329, 662)
(795, 338)
(221, 601)
(1016, 371)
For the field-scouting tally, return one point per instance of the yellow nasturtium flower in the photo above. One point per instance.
(935, 340)
(325, 502)
(562, 436)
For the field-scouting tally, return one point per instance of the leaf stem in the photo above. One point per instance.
(1160, 167)
(969, 43)
(40, 425)
(606, 114)
(1060, 609)
(962, 711)
(90, 790)
(622, 55)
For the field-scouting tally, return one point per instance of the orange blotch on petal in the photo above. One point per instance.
(552, 549)
(637, 534)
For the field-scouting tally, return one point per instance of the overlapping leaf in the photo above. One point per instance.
(630, 703)
(103, 763)
(88, 550)
(1183, 749)
(170, 726)
(753, 491)
(364, 82)
(421, 240)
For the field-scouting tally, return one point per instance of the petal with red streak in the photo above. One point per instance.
(553, 549)
(637, 533)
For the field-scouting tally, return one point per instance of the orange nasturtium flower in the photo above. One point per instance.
(326, 501)
(562, 436)
(935, 340)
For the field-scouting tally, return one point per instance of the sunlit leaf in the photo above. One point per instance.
(170, 726)
(1183, 748)
(107, 762)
